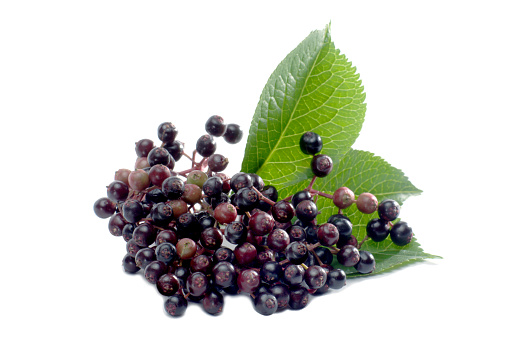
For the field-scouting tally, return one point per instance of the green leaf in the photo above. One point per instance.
(315, 88)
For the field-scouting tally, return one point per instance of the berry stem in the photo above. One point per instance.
(311, 183)
(316, 192)
(363, 241)
(264, 198)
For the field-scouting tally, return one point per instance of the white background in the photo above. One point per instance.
(81, 81)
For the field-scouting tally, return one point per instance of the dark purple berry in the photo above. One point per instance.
(265, 304)
(315, 276)
(348, 255)
(366, 264)
(233, 133)
(300, 196)
(306, 210)
(388, 210)
(215, 126)
(175, 305)
(311, 143)
(213, 303)
(167, 132)
(154, 270)
(175, 149)
(217, 162)
(173, 187)
(401, 234)
(378, 229)
(143, 147)
(129, 264)
(206, 146)
(240, 180)
(168, 284)
(298, 297)
(104, 207)
(297, 252)
(118, 191)
(321, 165)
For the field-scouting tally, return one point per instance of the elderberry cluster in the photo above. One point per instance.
(199, 234)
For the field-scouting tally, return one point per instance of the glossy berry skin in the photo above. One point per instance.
(261, 223)
(175, 149)
(236, 232)
(401, 234)
(366, 203)
(336, 279)
(315, 277)
(233, 133)
(271, 272)
(159, 155)
(167, 132)
(296, 233)
(116, 224)
(283, 211)
(378, 229)
(245, 253)
(300, 196)
(118, 191)
(311, 143)
(298, 298)
(281, 293)
(154, 270)
(248, 281)
(348, 255)
(144, 257)
(168, 284)
(213, 303)
(306, 211)
(366, 264)
(202, 263)
(186, 248)
(211, 238)
(166, 253)
(223, 254)
(343, 197)
(265, 304)
(388, 210)
(173, 187)
(217, 162)
(161, 214)
(278, 240)
(223, 274)
(213, 186)
(104, 207)
(206, 146)
(197, 284)
(175, 305)
(158, 173)
(139, 180)
(143, 147)
(328, 234)
(257, 182)
(144, 234)
(215, 126)
(344, 225)
(240, 180)
(225, 213)
(321, 165)
(297, 252)
(129, 264)
(247, 199)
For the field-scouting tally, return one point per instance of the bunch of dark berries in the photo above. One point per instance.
(199, 234)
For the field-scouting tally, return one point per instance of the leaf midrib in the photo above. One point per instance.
(294, 108)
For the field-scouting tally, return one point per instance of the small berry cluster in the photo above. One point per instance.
(198, 234)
